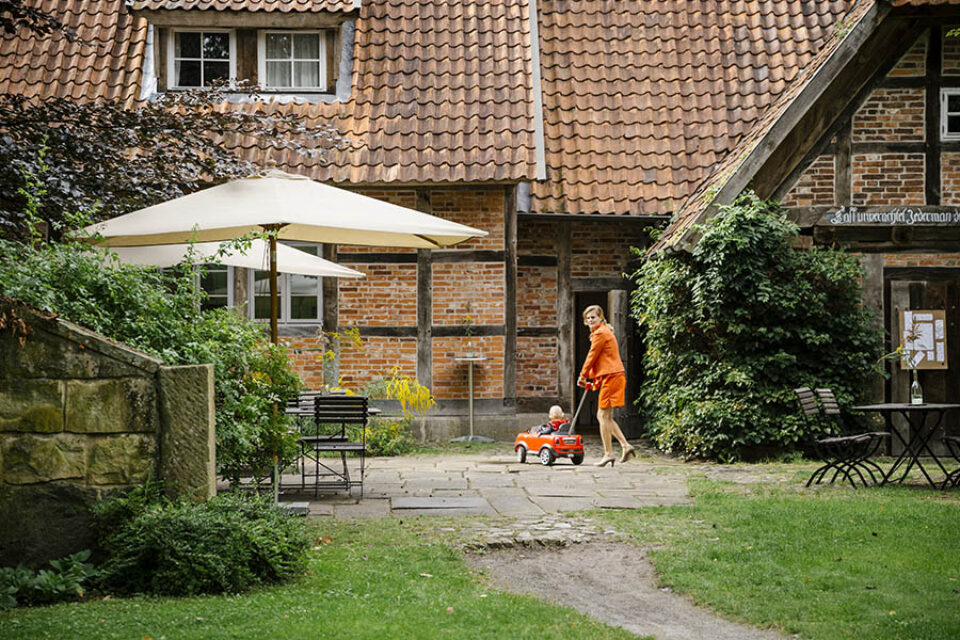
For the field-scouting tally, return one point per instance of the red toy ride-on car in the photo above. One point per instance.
(548, 446)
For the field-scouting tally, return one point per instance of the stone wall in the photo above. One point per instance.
(81, 417)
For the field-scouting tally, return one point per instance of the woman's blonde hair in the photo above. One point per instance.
(599, 311)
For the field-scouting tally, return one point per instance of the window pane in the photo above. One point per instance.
(261, 294)
(188, 45)
(278, 74)
(214, 282)
(303, 308)
(216, 46)
(306, 46)
(953, 124)
(953, 103)
(312, 249)
(306, 74)
(215, 71)
(278, 45)
(187, 72)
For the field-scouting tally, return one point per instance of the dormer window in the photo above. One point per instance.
(196, 58)
(292, 60)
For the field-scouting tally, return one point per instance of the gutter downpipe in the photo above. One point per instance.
(537, 90)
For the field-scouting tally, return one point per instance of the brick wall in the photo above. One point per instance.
(914, 62)
(888, 179)
(602, 249)
(535, 238)
(951, 55)
(950, 178)
(536, 296)
(471, 289)
(537, 367)
(306, 357)
(478, 208)
(921, 260)
(891, 115)
(450, 376)
(375, 358)
(815, 186)
(386, 297)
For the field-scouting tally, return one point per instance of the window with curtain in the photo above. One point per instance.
(292, 60)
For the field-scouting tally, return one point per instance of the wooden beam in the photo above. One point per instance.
(932, 117)
(566, 334)
(510, 296)
(463, 255)
(537, 332)
(249, 19)
(888, 147)
(843, 165)
(537, 261)
(613, 283)
(424, 303)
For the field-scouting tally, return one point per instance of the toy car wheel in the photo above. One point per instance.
(546, 457)
(576, 458)
(521, 454)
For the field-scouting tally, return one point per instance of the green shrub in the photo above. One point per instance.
(159, 313)
(389, 436)
(227, 544)
(64, 580)
(733, 327)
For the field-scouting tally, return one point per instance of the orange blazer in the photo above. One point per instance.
(604, 356)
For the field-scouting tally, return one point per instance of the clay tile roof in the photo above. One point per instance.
(441, 90)
(104, 63)
(284, 6)
(642, 99)
(441, 93)
(698, 204)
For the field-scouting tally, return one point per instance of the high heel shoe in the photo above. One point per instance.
(605, 461)
(628, 453)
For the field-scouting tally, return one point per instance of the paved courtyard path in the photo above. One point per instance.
(531, 543)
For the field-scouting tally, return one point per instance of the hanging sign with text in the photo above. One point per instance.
(923, 338)
(893, 216)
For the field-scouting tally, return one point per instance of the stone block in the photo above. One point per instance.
(187, 432)
(44, 522)
(111, 405)
(122, 459)
(34, 406)
(28, 459)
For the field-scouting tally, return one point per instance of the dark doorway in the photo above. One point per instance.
(587, 422)
(925, 288)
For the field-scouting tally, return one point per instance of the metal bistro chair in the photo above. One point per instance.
(953, 478)
(845, 453)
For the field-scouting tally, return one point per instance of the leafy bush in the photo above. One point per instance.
(387, 436)
(63, 581)
(159, 313)
(733, 327)
(227, 544)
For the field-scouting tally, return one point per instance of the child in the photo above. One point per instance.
(555, 421)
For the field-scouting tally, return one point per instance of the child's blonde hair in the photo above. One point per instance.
(556, 412)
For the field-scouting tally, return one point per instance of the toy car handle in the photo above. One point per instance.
(586, 391)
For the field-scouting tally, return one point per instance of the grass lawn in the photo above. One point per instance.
(372, 579)
(833, 563)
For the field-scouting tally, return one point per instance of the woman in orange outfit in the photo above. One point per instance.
(604, 366)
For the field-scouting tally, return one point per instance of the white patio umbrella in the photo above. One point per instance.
(289, 206)
(257, 256)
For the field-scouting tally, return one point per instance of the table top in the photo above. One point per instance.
(906, 406)
(471, 358)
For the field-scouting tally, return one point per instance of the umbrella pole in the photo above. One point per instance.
(274, 303)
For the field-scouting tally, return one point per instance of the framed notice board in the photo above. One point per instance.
(923, 337)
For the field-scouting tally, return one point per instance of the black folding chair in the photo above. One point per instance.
(846, 454)
(953, 478)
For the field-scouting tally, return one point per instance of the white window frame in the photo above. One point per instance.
(262, 60)
(171, 48)
(283, 283)
(945, 134)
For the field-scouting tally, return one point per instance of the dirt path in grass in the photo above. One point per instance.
(611, 582)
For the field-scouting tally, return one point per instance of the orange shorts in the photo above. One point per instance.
(613, 390)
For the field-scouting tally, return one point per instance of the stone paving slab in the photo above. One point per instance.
(496, 484)
(438, 503)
